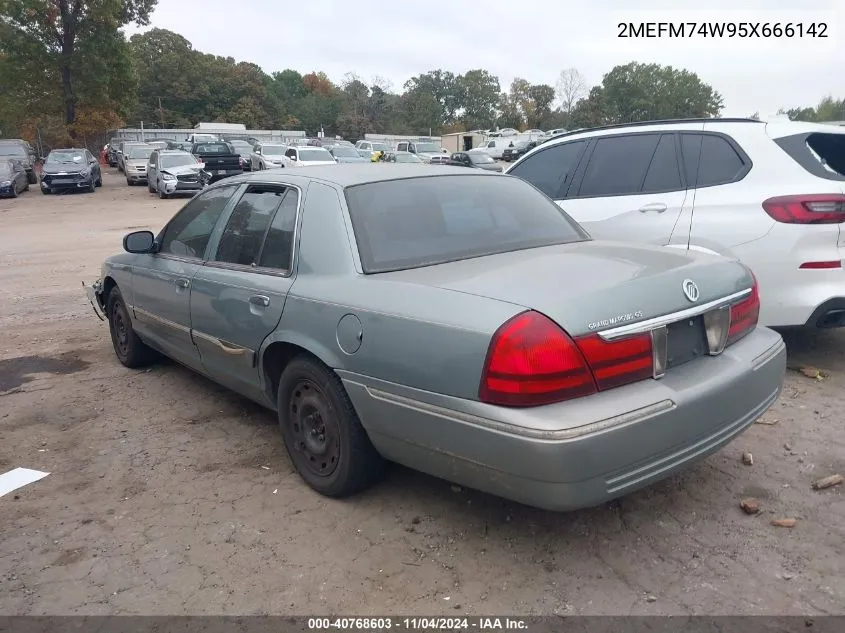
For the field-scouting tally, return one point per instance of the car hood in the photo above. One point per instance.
(614, 279)
(63, 168)
(351, 159)
(183, 169)
(489, 166)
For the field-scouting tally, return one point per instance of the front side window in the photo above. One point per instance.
(414, 222)
(187, 234)
(551, 170)
(244, 233)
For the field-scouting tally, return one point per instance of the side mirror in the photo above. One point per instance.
(139, 242)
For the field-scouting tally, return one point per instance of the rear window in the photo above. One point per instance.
(415, 222)
(820, 153)
(213, 148)
(315, 154)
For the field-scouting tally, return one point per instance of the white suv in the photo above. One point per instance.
(771, 194)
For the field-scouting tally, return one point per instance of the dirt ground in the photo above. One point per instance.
(170, 495)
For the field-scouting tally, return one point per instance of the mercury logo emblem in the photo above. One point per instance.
(690, 290)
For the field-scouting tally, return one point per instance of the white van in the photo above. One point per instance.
(495, 146)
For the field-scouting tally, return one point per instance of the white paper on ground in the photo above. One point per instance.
(18, 478)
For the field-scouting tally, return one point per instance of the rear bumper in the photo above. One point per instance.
(135, 176)
(584, 452)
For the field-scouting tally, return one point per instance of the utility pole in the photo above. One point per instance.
(161, 113)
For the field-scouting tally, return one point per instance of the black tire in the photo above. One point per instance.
(46, 192)
(323, 435)
(15, 193)
(31, 178)
(99, 182)
(26, 187)
(150, 187)
(162, 195)
(128, 348)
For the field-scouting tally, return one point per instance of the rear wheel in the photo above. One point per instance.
(128, 348)
(323, 436)
(31, 178)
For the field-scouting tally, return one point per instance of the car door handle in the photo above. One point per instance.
(260, 300)
(234, 351)
(656, 207)
(182, 282)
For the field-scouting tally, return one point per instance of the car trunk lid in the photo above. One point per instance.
(591, 286)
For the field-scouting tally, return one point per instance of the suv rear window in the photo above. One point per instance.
(415, 222)
(821, 154)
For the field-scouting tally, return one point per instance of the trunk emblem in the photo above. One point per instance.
(690, 290)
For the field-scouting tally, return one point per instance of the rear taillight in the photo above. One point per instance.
(744, 314)
(807, 209)
(616, 363)
(532, 361)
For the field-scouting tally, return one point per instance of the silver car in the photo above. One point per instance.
(172, 172)
(135, 158)
(452, 320)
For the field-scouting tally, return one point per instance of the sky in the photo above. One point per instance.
(532, 39)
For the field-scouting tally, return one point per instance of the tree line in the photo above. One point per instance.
(68, 71)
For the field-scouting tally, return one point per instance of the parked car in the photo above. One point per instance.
(171, 172)
(372, 149)
(17, 149)
(111, 151)
(158, 144)
(13, 179)
(244, 150)
(497, 370)
(769, 194)
(122, 150)
(346, 154)
(268, 156)
(70, 169)
(425, 151)
(308, 157)
(185, 146)
(496, 147)
(219, 159)
(135, 163)
(519, 149)
(401, 157)
(476, 160)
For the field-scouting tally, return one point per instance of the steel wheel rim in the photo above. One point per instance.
(314, 428)
(120, 331)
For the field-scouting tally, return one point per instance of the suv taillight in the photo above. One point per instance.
(807, 209)
(532, 361)
(744, 314)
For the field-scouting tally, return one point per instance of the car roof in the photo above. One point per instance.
(351, 174)
(67, 149)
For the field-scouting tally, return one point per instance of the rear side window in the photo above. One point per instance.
(821, 154)
(551, 170)
(244, 233)
(710, 159)
(414, 222)
(618, 165)
(663, 173)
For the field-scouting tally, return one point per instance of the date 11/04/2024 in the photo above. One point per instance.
(722, 29)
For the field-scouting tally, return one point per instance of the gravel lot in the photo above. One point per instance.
(170, 495)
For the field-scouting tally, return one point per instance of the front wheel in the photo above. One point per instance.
(161, 194)
(323, 436)
(129, 349)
